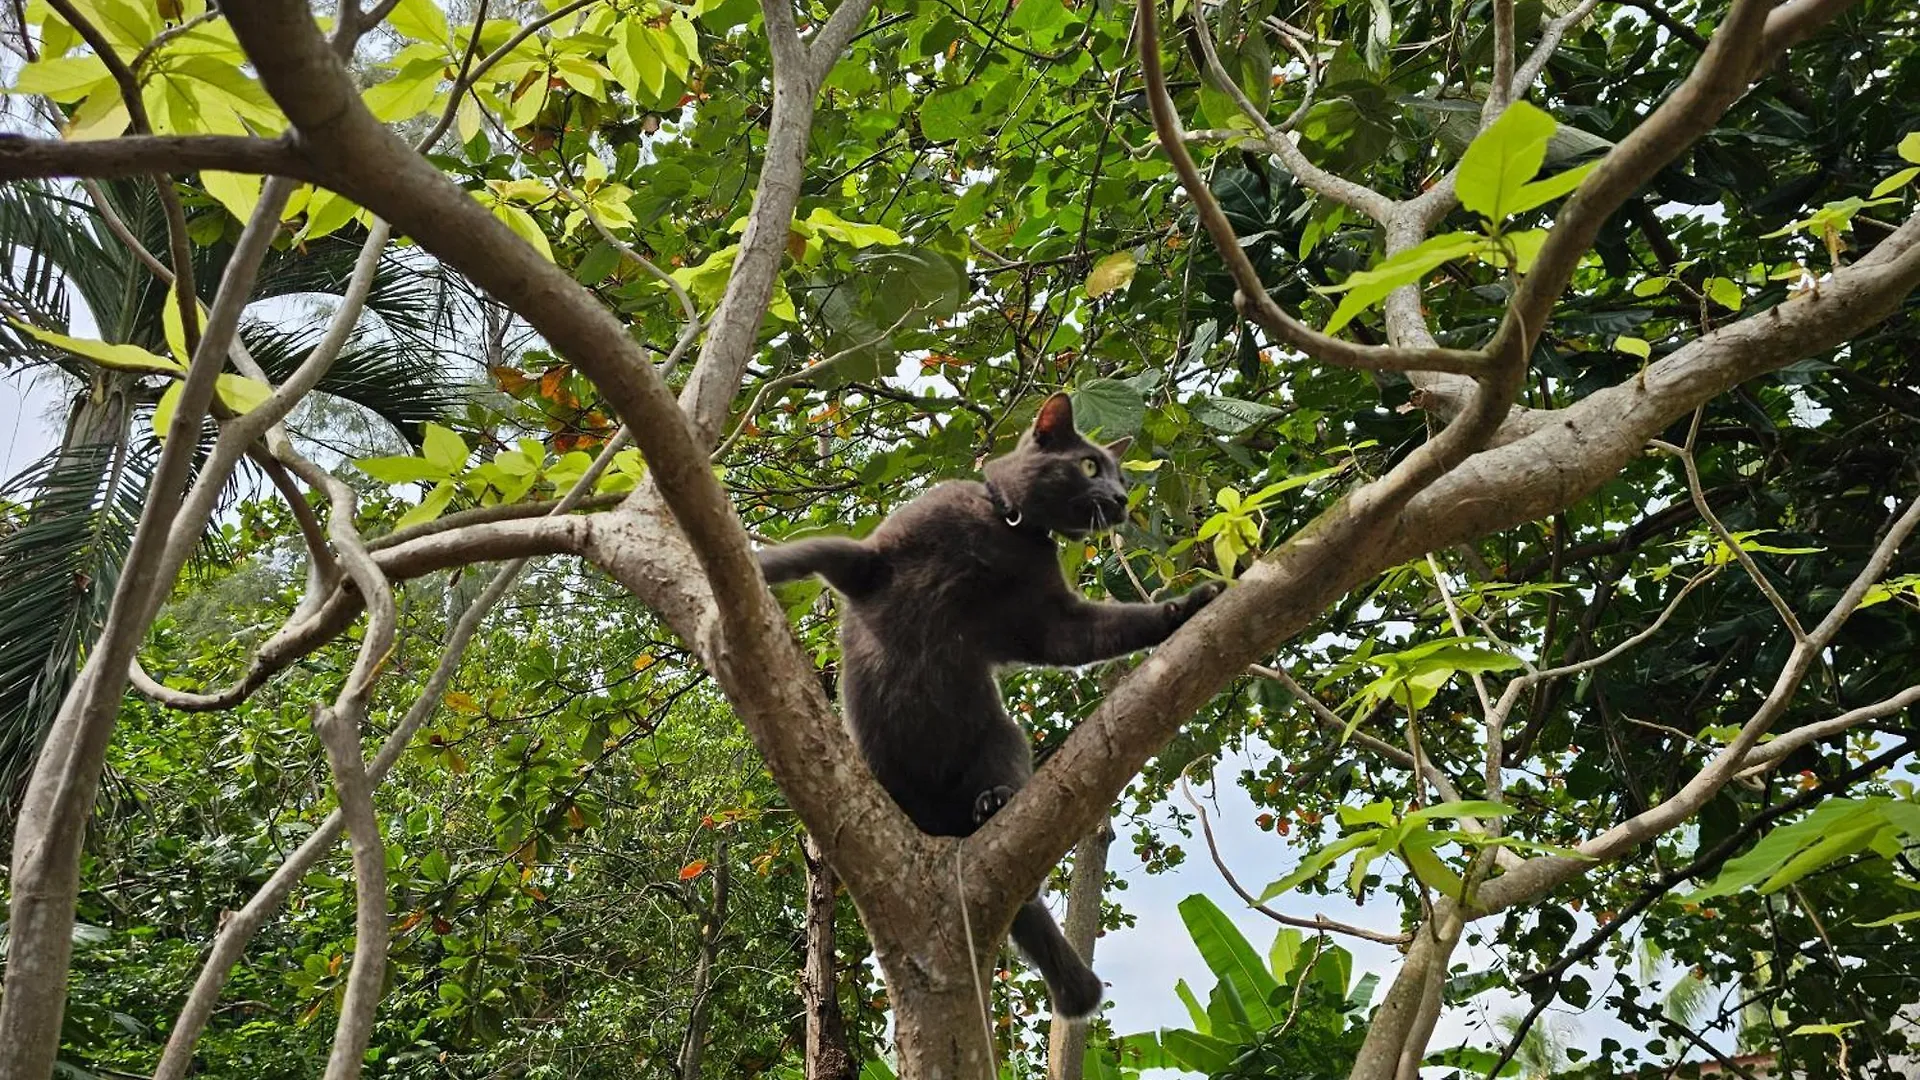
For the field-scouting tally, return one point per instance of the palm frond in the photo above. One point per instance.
(58, 570)
(418, 304)
(52, 251)
(403, 385)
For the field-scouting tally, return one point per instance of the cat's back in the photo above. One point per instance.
(952, 510)
(949, 557)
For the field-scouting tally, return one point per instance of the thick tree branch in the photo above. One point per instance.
(25, 158)
(1769, 754)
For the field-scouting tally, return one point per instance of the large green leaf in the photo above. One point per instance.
(1230, 957)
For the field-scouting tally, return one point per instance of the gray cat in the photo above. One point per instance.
(958, 582)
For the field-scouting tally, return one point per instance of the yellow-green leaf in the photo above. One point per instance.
(174, 330)
(408, 93)
(1633, 346)
(102, 116)
(1111, 272)
(1497, 165)
(421, 20)
(164, 409)
(834, 227)
(238, 192)
(1895, 182)
(1724, 292)
(1368, 287)
(241, 394)
(118, 357)
(444, 448)
(1909, 148)
(682, 30)
(1541, 192)
(429, 508)
(327, 212)
(525, 227)
(63, 78)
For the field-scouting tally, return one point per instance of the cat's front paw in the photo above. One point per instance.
(1185, 606)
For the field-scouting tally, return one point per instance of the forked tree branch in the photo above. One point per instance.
(753, 654)
(231, 940)
(1251, 297)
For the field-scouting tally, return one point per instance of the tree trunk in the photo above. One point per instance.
(694, 1047)
(943, 1035)
(828, 1055)
(1067, 1042)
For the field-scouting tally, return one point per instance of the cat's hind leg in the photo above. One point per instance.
(1076, 991)
(989, 802)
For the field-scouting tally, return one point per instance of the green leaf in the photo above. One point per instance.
(1909, 148)
(1545, 191)
(429, 508)
(1633, 346)
(1495, 168)
(1193, 1050)
(1474, 808)
(1229, 956)
(1895, 182)
(1824, 1029)
(401, 470)
(444, 448)
(1378, 812)
(1195, 1010)
(1231, 416)
(1369, 287)
(1891, 920)
(1317, 863)
(1782, 845)
(1112, 271)
(1417, 849)
(1284, 954)
(118, 357)
(1108, 408)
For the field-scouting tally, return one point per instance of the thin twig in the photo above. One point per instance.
(1318, 922)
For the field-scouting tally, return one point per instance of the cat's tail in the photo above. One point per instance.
(1075, 989)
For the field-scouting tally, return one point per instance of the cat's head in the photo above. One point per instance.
(1057, 480)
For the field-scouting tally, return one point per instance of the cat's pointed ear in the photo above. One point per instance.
(1118, 447)
(1054, 425)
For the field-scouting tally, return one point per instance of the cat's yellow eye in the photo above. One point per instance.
(1090, 466)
